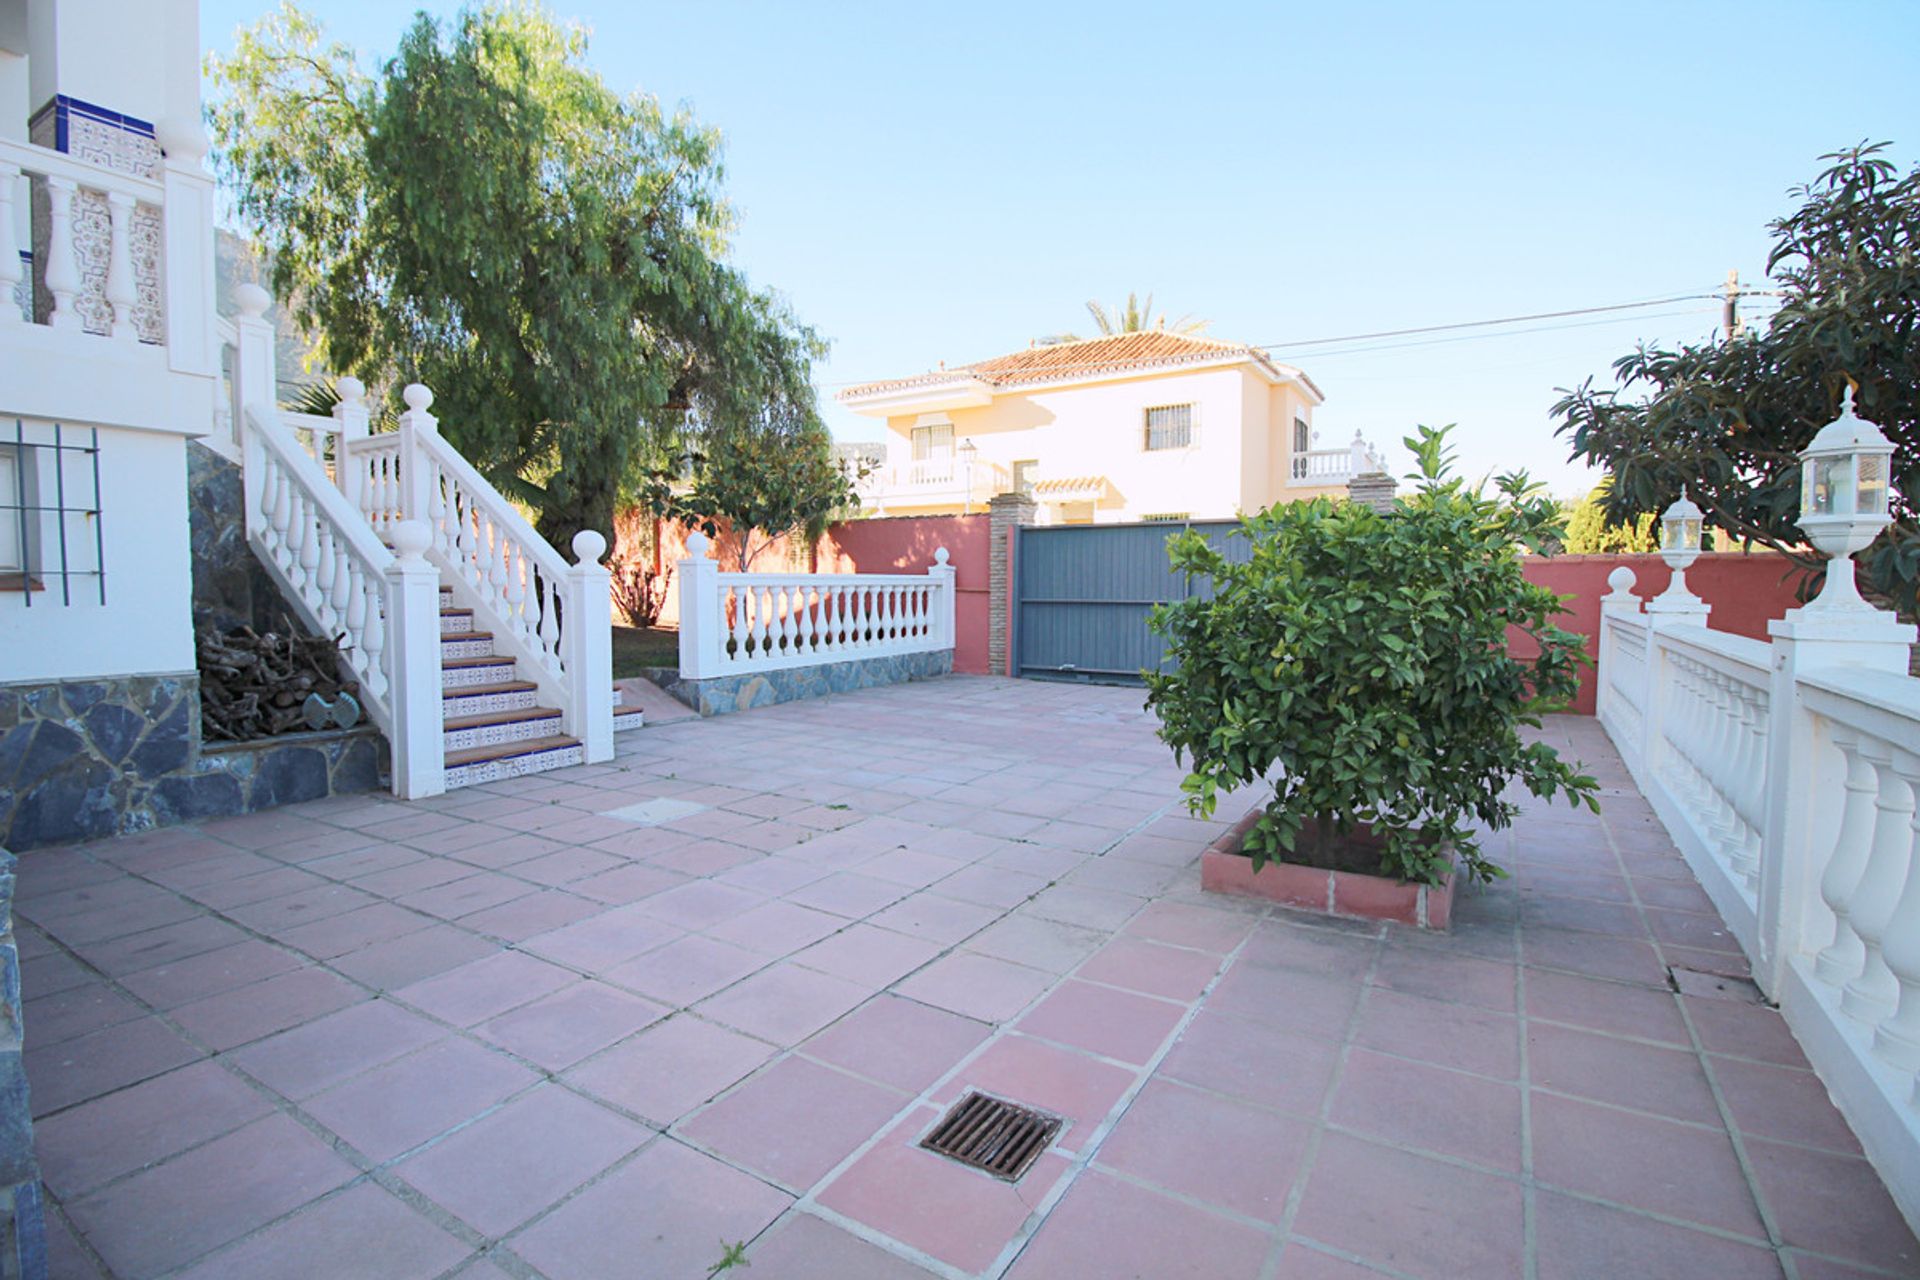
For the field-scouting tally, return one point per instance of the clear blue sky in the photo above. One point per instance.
(931, 183)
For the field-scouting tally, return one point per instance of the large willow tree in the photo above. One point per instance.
(483, 214)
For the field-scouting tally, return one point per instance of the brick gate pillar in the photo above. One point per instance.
(1006, 512)
(1373, 489)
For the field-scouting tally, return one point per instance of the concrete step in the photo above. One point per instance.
(487, 699)
(489, 729)
(512, 759)
(454, 621)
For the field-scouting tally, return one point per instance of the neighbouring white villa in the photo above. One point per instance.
(1149, 425)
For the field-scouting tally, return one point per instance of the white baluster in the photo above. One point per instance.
(373, 639)
(11, 272)
(741, 595)
(120, 291)
(517, 571)
(309, 546)
(766, 625)
(1870, 995)
(437, 512)
(549, 616)
(1898, 1038)
(1841, 959)
(356, 613)
(62, 274)
(497, 564)
(323, 579)
(789, 620)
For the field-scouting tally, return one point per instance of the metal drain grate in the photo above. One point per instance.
(991, 1134)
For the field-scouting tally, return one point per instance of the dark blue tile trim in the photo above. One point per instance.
(64, 108)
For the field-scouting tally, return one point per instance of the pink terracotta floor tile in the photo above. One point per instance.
(776, 928)
(700, 905)
(759, 1127)
(1443, 975)
(1833, 1204)
(1430, 1108)
(77, 1011)
(174, 1212)
(387, 966)
(849, 894)
(1679, 1170)
(1447, 1035)
(401, 1105)
(976, 986)
(1669, 1082)
(363, 1231)
(671, 1068)
(84, 1067)
(1079, 1089)
(485, 988)
(603, 942)
(89, 1144)
(687, 970)
(1152, 968)
(536, 913)
(1203, 928)
(1620, 1008)
(352, 930)
(1228, 1153)
(507, 1166)
(1592, 954)
(961, 1216)
(1252, 1060)
(868, 954)
(324, 1052)
(247, 1013)
(1578, 1239)
(467, 895)
(210, 973)
(1116, 1024)
(805, 1247)
(1743, 1030)
(664, 1214)
(1037, 943)
(1298, 1002)
(556, 1031)
(1783, 1103)
(935, 918)
(625, 884)
(1104, 1228)
(784, 1004)
(1418, 1216)
(898, 1042)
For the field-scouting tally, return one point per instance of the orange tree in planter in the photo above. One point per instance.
(1362, 659)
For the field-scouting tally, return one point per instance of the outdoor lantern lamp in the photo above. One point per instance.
(1843, 499)
(1680, 545)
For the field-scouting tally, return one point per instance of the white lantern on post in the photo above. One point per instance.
(1680, 526)
(1844, 477)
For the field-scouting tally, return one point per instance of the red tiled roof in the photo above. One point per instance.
(1120, 353)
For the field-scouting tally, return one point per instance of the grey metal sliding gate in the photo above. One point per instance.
(1082, 593)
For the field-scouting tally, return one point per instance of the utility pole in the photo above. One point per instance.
(1730, 310)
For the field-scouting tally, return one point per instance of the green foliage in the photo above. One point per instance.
(486, 216)
(1590, 533)
(774, 475)
(735, 1255)
(1132, 316)
(1727, 418)
(1362, 660)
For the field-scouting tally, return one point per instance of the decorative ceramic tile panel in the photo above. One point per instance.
(123, 144)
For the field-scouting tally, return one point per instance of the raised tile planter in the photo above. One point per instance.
(1224, 869)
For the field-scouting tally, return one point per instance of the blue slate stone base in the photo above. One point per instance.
(84, 759)
(724, 695)
(23, 1237)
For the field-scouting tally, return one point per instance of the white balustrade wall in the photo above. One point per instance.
(738, 623)
(1787, 774)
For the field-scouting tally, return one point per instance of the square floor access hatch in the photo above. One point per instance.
(987, 1133)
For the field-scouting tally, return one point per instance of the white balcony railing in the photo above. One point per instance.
(1787, 774)
(1313, 467)
(934, 481)
(738, 623)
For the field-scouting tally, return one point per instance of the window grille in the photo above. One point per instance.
(1170, 426)
(50, 512)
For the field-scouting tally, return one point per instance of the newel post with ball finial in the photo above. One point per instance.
(586, 642)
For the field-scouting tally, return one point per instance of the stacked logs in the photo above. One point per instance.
(255, 686)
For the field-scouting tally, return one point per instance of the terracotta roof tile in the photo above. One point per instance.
(1119, 353)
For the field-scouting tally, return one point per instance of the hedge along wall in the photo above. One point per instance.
(1746, 592)
(891, 544)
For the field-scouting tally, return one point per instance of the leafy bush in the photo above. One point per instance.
(1589, 533)
(1361, 661)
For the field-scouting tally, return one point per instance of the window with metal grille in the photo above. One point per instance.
(1302, 436)
(50, 512)
(1023, 475)
(1170, 426)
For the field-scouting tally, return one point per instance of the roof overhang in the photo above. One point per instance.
(926, 397)
(1073, 489)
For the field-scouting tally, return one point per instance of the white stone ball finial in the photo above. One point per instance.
(252, 300)
(588, 547)
(411, 538)
(697, 544)
(350, 389)
(940, 556)
(419, 396)
(1622, 580)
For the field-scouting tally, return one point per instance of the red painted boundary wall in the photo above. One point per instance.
(893, 544)
(1746, 592)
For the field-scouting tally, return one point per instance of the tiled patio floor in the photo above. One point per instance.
(515, 1032)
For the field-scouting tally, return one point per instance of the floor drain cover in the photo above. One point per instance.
(1714, 986)
(992, 1134)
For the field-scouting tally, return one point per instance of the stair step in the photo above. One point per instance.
(492, 728)
(512, 759)
(463, 673)
(466, 644)
(455, 621)
(486, 699)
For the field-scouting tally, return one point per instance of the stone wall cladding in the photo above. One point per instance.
(1374, 489)
(230, 586)
(724, 695)
(23, 1241)
(1007, 511)
(84, 759)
